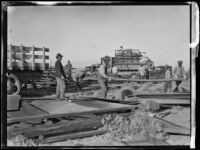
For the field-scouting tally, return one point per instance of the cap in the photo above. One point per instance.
(180, 61)
(59, 54)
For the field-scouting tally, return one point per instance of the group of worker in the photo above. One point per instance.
(103, 78)
(177, 73)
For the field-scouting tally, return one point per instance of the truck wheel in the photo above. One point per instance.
(13, 84)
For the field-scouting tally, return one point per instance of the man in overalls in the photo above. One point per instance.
(60, 76)
(103, 78)
(179, 73)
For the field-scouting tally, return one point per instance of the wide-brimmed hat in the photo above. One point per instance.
(180, 61)
(59, 55)
(166, 66)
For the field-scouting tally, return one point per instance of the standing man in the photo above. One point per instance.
(103, 78)
(168, 85)
(60, 76)
(142, 71)
(179, 73)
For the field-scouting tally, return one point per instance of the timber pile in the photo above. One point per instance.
(49, 128)
(45, 127)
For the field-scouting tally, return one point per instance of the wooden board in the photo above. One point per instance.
(55, 107)
(26, 49)
(166, 101)
(26, 111)
(59, 128)
(72, 111)
(27, 56)
(75, 135)
(28, 65)
(165, 95)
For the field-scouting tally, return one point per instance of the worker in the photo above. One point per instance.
(142, 71)
(179, 73)
(69, 70)
(103, 78)
(77, 77)
(168, 85)
(60, 76)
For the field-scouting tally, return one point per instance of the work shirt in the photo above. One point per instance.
(59, 69)
(114, 70)
(179, 72)
(142, 71)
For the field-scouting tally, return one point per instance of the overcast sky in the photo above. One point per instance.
(84, 34)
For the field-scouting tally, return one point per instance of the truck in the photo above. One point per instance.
(25, 64)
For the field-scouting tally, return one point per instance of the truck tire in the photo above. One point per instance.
(14, 84)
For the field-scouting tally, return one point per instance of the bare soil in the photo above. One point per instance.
(180, 116)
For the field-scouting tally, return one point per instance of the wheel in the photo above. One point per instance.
(13, 84)
(125, 91)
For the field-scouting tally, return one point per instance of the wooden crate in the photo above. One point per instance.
(18, 57)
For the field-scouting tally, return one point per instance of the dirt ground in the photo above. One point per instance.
(180, 116)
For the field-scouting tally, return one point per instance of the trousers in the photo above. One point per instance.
(60, 89)
(104, 87)
(177, 89)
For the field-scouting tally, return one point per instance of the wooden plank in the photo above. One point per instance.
(25, 118)
(33, 58)
(105, 100)
(74, 136)
(170, 127)
(165, 95)
(33, 109)
(10, 58)
(28, 56)
(28, 65)
(41, 49)
(146, 141)
(167, 101)
(72, 126)
(27, 49)
(43, 60)
(22, 58)
(145, 80)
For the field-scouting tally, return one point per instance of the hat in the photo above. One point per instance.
(166, 66)
(59, 54)
(180, 61)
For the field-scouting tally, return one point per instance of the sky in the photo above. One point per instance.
(84, 34)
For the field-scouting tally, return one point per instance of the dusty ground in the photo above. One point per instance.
(180, 116)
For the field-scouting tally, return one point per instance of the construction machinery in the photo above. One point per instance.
(127, 61)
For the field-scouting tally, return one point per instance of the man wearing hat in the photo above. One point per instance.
(60, 76)
(102, 76)
(179, 73)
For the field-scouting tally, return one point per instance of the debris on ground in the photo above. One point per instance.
(136, 124)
